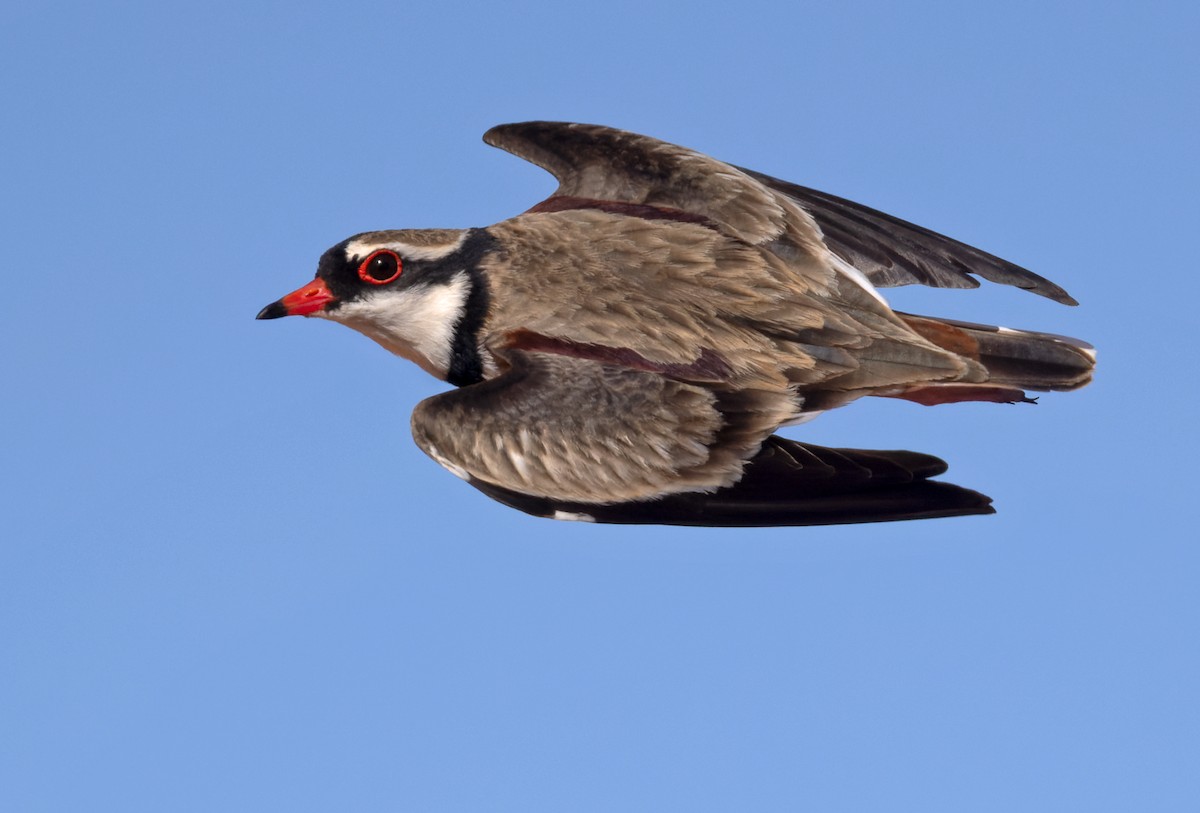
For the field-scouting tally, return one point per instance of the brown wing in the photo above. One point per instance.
(573, 438)
(596, 164)
(579, 430)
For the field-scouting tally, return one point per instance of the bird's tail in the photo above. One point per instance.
(1011, 360)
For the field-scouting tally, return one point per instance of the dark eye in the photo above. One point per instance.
(381, 267)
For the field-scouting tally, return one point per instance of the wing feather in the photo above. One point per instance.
(892, 252)
(568, 428)
(788, 483)
(604, 164)
(595, 164)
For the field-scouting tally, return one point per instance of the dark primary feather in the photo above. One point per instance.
(892, 252)
(789, 483)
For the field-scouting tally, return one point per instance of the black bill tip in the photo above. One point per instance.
(273, 311)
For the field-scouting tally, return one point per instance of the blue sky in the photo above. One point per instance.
(229, 581)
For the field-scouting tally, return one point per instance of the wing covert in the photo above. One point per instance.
(579, 430)
(594, 163)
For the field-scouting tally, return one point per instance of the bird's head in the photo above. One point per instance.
(412, 291)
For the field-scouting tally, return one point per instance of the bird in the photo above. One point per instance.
(625, 350)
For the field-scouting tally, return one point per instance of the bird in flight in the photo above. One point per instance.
(625, 350)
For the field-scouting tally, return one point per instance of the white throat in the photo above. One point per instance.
(417, 323)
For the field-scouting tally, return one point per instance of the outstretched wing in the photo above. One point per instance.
(575, 438)
(595, 165)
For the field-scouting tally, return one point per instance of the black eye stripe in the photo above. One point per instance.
(380, 267)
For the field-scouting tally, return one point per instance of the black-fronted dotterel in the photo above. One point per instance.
(625, 350)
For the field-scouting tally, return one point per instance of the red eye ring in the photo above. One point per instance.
(380, 267)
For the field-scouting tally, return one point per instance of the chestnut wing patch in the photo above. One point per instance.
(709, 366)
(563, 203)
